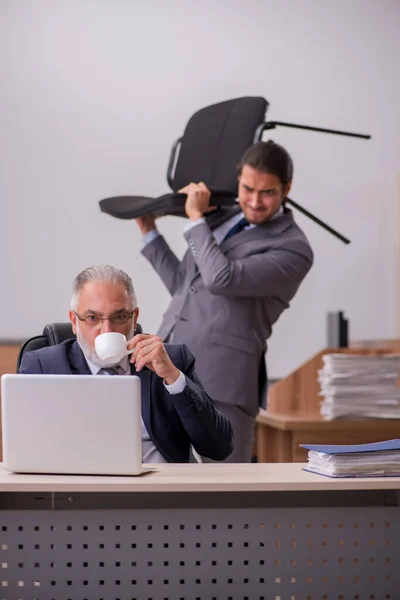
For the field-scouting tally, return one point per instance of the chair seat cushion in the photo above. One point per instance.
(132, 207)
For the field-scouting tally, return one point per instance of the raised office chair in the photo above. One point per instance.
(53, 333)
(212, 145)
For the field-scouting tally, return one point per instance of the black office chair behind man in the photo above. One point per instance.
(53, 333)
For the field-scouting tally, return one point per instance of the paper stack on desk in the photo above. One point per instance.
(360, 386)
(380, 459)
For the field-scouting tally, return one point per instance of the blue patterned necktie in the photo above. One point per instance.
(239, 226)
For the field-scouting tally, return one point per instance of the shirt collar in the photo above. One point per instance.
(94, 369)
(278, 213)
(240, 215)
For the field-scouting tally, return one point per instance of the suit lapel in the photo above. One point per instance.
(79, 366)
(219, 216)
(272, 228)
(145, 381)
(77, 361)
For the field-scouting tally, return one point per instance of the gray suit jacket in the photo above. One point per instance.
(226, 298)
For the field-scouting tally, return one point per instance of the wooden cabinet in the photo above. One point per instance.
(293, 416)
(279, 436)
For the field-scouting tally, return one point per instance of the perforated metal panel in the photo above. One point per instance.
(204, 554)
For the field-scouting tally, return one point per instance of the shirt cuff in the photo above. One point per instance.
(150, 237)
(191, 224)
(178, 386)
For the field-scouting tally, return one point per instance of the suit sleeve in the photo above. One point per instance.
(209, 431)
(31, 364)
(268, 273)
(169, 268)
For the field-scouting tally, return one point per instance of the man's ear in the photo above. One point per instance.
(135, 317)
(287, 189)
(72, 318)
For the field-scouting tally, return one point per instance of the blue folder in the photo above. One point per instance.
(352, 448)
(386, 446)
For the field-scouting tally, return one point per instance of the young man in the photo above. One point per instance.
(242, 268)
(176, 411)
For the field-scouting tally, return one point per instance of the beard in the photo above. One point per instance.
(90, 352)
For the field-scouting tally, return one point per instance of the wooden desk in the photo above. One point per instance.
(278, 436)
(188, 478)
(199, 531)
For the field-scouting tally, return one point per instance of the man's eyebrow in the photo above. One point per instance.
(99, 314)
(260, 191)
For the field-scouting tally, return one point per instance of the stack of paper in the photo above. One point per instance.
(381, 459)
(358, 386)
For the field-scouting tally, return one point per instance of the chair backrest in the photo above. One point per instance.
(215, 140)
(57, 333)
(53, 333)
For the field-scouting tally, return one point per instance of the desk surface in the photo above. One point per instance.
(270, 477)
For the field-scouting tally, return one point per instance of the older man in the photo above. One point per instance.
(176, 411)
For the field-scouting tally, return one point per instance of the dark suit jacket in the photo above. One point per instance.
(174, 421)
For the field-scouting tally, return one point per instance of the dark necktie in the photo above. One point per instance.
(110, 371)
(239, 226)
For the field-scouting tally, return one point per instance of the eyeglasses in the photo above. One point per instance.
(115, 320)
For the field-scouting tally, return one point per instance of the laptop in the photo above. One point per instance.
(72, 424)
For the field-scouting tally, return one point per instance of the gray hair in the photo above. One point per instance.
(105, 273)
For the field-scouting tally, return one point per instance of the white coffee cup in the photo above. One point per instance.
(111, 347)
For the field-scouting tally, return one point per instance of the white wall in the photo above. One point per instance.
(94, 92)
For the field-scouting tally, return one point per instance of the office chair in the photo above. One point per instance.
(223, 130)
(213, 143)
(53, 333)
